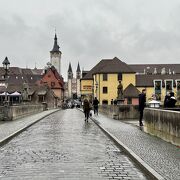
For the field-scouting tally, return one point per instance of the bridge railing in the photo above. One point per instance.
(164, 123)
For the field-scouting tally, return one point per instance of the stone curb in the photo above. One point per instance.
(8, 138)
(151, 172)
(135, 157)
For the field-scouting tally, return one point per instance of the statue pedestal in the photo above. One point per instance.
(120, 101)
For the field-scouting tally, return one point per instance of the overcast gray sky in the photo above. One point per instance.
(136, 31)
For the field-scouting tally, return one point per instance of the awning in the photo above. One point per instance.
(15, 94)
(4, 94)
(42, 92)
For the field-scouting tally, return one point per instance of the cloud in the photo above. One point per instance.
(135, 31)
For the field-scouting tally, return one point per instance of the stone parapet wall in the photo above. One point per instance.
(163, 123)
(120, 111)
(19, 111)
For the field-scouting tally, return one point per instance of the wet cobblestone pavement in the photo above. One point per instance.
(7, 128)
(162, 156)
(63, 146)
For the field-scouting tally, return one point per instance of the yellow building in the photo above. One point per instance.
(103, 79)
(159, 85)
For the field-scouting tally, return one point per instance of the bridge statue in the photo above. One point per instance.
(120, 94)
(25, 92)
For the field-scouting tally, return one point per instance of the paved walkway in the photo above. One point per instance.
(163, 157)
(64, 146)
(10, 128)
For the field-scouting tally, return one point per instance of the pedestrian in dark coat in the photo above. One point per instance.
(172, 100)
(115, 102)
(166, 100)
(142, 104)
(86, 108)
(96, 105)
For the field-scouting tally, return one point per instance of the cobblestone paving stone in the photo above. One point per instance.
(63, 146)
(9, 127)
(160, 155)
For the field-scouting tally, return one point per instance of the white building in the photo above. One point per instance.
(55, 56)
(73, 84)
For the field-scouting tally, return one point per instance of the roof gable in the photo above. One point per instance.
(114, 65)
(131, 91)
(52, 76)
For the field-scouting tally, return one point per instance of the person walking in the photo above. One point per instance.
(142, 104)
(86, 108)
(95, 105)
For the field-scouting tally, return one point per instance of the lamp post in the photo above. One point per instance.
(93, 92)
(6, 65)
(96, 85)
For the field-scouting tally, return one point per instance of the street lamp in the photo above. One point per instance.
(6, 65)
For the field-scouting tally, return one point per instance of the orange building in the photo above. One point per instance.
(52, 78)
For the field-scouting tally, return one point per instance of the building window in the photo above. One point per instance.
(105, 102)
(169, 85)
(119, 76)
(129, 100)
(158, 88)
(105, 90)
(41, 98)
(178, 89)
(105, 77)
(178, 85)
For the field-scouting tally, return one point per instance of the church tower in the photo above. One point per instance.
(70, 77)
(78, 77)
(55, 55)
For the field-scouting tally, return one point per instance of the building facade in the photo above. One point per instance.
(54, 81)
(49, 78)
(73, 83)
(103, 79)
